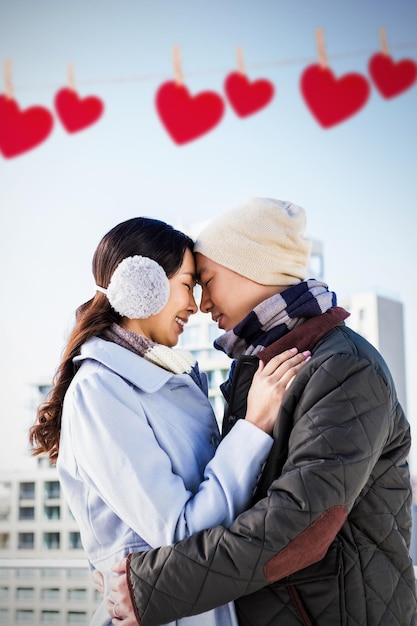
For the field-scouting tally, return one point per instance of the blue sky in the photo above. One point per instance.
(356, 180)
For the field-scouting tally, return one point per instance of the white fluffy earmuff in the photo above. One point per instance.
(138, 288)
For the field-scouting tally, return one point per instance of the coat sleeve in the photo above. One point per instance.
(342, 422)
(117, 455)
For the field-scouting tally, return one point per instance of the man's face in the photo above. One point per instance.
(227, 296)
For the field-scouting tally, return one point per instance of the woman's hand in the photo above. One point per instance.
(269, 385)
(119, 604)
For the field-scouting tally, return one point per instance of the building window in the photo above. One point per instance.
(52, 593)
(26, 491)
(75, 541)
(25, 616)
(52, 512)
(70, 514)
(52, 489)
(26, 541)
(77, 617)
(4, 512)
(4, 541)
(25, 593)
(25, 572)
(77, 594)
(4, 616)
(44, 462)
(50, 617)
(316, 269)
(214, 332)
(191, 336)
(51, 541)
(4, 593)
(26, 512)
(51, 572)
(78, 573)
(44, 389)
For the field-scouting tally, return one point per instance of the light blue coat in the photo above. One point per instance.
(141, 463)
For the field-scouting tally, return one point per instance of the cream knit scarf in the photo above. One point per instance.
(176, 361)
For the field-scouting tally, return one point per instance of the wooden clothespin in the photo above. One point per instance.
(176, 58)
(8, 83)
(321, 47)
(384, 41)
(240, 62)
(71, 77)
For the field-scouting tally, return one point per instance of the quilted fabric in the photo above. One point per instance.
(327, 543)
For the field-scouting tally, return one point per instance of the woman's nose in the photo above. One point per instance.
(193, 304)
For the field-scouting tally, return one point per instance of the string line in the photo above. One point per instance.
(137, 78)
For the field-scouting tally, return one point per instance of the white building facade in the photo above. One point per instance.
(44, 575)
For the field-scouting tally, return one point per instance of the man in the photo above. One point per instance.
(326, 541)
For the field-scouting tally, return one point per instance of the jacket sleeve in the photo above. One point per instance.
(341, 424)
(150, 497)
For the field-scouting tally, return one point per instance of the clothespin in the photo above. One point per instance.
(71, 77)
(240, 63)
(176, 58)
(321, 48)
(8, 83)
(384, 41)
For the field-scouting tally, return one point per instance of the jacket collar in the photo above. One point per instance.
(137, 370)
(306, 335)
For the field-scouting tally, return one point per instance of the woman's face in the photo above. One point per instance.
(166, 327)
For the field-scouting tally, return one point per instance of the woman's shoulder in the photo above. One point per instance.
(105, 359)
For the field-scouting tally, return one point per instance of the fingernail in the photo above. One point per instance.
(294, 350)
(307, 353)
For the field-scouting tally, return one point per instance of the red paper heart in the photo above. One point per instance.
(77, 113)
(21, 131)
(332, 100)
(247, 97)
(187, 117)
(391, 78)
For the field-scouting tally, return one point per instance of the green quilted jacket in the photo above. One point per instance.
(327, 540)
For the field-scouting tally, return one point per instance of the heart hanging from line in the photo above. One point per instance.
(77, 113)
(332, 100)
(187, 117)
(22, 130)
(247, 97)
(392, 78)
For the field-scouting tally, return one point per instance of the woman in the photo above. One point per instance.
(128, 421)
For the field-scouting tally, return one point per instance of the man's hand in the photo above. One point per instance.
(119, 604)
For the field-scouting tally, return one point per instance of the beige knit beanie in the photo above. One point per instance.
(262, 240)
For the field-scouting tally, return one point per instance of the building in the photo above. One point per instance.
(44, 575)
(381, 321)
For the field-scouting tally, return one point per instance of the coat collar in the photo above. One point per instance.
(137, 370)
(306, 335)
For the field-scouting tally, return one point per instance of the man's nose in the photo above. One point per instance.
(204, 302)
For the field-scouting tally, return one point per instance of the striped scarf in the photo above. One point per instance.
(176, 361)
(275, 317)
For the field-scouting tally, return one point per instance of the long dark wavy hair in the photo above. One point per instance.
(137, 236)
